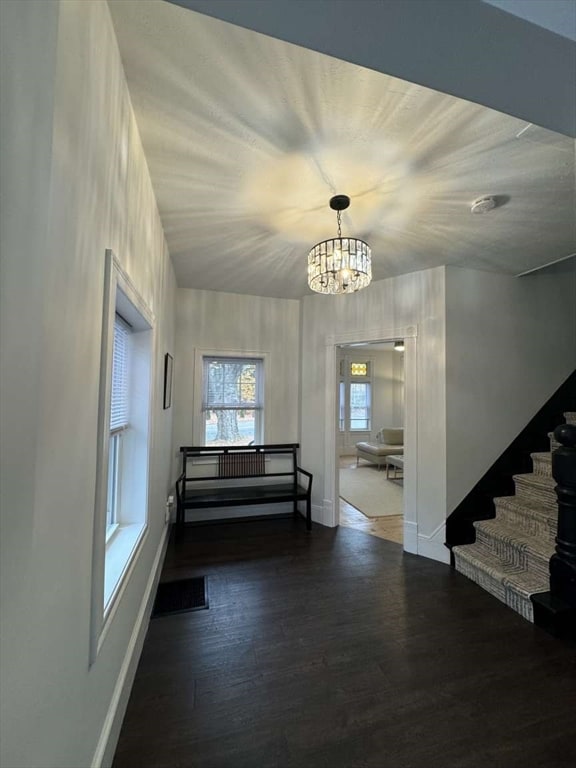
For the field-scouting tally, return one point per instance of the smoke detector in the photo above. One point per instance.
(483, 205)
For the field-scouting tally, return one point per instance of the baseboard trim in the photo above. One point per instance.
(433, 546)
(104, 753)
(410, 537)
(324, 514)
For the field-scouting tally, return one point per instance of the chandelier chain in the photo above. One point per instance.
(339, 217)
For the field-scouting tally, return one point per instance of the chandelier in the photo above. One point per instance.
(342, 264)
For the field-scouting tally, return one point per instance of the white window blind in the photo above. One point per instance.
(234, 383)
(119, 397)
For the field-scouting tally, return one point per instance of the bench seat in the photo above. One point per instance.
(274, 493)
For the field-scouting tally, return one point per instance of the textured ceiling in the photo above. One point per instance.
(247, 138)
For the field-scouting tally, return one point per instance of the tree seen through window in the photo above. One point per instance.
(232, 401)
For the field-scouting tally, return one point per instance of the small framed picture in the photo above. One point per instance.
(168, 367)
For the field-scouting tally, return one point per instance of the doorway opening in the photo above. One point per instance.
(370, 437)
(331, 501)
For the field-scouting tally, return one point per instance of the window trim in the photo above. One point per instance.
(257, 406)
(197, 427)
(119, 291)
(368, 409)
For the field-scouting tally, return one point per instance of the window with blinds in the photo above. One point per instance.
(120, 370)
(119, 413)
(355, 396)
(123, 442)
(232, 400)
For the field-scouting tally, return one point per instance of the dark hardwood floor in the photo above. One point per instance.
(334, 649)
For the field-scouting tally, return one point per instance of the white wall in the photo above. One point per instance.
(75, 182)
(387, 407)
(510, 343)
(382, 311)
(211, 321)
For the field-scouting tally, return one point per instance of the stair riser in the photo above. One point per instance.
(483, 579)
(546, 532)
(525, 490)
(530, 523)
(542, 467)
(496, 587)
(515, 553)
(520, 604)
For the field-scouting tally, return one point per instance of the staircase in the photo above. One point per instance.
(511, 554)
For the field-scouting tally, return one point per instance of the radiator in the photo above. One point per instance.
(240, 464)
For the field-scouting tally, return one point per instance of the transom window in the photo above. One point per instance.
(359, 369)
(232, 402)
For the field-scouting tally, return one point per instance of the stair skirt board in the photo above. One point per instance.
(511, 555)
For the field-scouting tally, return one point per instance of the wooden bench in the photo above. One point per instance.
(232, 476)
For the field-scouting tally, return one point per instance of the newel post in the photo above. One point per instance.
(563, 561)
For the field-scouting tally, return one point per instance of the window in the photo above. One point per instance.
(355, 393)
(119, 403)
(360, 406)
(232, 401)
(121, 506)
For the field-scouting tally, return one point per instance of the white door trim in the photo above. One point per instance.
(331, 507)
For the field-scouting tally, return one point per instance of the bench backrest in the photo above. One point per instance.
(213, 463)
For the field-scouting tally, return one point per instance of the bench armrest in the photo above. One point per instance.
(179, 485)
(309, 476)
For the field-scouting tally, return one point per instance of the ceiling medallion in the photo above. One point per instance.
(342, 264)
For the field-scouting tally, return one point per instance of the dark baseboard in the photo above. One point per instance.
(554, 616)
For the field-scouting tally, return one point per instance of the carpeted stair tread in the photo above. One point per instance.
(509, 583)
(542, 463)
(538, 488)
(570, 417)
(515, 546)
(506, 572)
(527, 515)
(528, 504)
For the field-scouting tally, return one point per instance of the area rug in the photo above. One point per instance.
(367, 489)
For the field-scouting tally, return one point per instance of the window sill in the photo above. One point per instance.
(110, 532)
(121, 548)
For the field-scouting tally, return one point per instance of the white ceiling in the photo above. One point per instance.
(247, 137)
